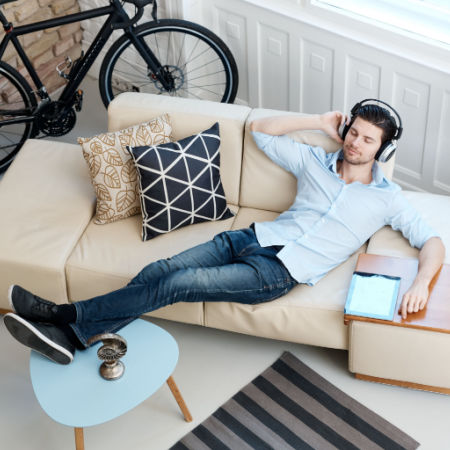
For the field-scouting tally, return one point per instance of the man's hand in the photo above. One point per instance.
(431, 257)
(331, 122)
(415, 298)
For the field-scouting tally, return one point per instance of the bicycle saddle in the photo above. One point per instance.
(2, 2)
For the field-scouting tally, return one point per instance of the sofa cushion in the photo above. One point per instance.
(307, 314)
(47, 201)
(179, 183)
(107, 257)
(112, 170)
(435, 209)
(261, 178)
(188, 116)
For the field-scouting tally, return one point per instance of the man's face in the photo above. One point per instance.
(362, 142)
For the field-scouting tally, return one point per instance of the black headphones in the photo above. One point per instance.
(388, 148)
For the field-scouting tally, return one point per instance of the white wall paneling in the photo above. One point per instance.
(362, 80)
(411, 100)
(317, 65)
(273, 67)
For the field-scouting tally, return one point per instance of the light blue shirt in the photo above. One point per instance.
(329, 219)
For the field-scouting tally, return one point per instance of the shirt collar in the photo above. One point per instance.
(378, 177)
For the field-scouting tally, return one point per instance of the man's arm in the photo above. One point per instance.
(431, 257)
(329, 123)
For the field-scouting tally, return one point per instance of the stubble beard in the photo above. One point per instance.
(355, 160)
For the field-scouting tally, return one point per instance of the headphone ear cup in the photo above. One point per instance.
(386, 151)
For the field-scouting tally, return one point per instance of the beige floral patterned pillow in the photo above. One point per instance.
(112, 170)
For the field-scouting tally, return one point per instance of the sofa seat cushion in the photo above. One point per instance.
(189, 116)
(307, 314)
(435, 209)
(47, 201)
(108, 256)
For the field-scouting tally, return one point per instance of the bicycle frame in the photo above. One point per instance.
(117, 16)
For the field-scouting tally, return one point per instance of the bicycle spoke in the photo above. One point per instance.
(157, 47)
(129, 73)
(181, 50)
(168, 48)
(204, 65)
(201, 87)
(207, 75)
(193, 59)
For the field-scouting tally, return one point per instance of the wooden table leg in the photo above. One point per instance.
(176, 393)
(79, 439)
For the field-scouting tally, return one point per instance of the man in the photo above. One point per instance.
(342, 199)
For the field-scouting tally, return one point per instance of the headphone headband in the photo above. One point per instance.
(388, 148)
(357, 107)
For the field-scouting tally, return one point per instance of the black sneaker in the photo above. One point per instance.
(30, 306)
(49, 340)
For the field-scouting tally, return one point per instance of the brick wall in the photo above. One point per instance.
(46, 48)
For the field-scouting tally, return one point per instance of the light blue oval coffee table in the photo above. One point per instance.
(76, 395)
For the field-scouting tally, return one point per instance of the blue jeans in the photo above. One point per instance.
(231, 267)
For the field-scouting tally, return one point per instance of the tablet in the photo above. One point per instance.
(372, 295)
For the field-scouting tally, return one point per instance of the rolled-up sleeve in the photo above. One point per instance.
(284, 151)
(405, 218)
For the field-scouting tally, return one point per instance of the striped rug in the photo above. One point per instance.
(289, 406)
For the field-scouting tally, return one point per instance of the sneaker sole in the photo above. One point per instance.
(10, 298)
(31, 337)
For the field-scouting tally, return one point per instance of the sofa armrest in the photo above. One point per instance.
(47, 201)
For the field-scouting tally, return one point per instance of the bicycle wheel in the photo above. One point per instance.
(17, 103)
(197, 62)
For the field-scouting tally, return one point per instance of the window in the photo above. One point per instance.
(427, 18)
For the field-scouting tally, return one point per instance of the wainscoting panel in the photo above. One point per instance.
(411, 98)
(362, 80)
(273, 70)
(316, 76)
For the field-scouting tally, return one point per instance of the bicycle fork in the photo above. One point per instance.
(153, 64)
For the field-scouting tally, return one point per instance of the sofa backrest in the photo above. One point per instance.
(265, 185)
(190, 116)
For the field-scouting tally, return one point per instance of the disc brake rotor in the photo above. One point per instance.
(173, 74)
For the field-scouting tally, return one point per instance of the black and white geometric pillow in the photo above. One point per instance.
(180, 183)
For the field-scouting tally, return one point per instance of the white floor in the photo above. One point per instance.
(213, 365)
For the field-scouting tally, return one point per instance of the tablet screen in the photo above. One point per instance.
(372, 295)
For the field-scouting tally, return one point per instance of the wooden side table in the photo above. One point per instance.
(76, 395)
(412, 352)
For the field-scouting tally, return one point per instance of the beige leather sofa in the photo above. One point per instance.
(49, 244)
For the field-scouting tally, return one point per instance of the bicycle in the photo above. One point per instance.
(162, 56)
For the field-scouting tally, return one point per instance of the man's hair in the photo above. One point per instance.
(379, 117)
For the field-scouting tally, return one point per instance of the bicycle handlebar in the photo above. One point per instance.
(140, 5)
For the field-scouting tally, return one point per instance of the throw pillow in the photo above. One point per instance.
(112, 170)
(180, 183)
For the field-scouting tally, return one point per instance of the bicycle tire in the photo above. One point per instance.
(15, 94)
(123, 54)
